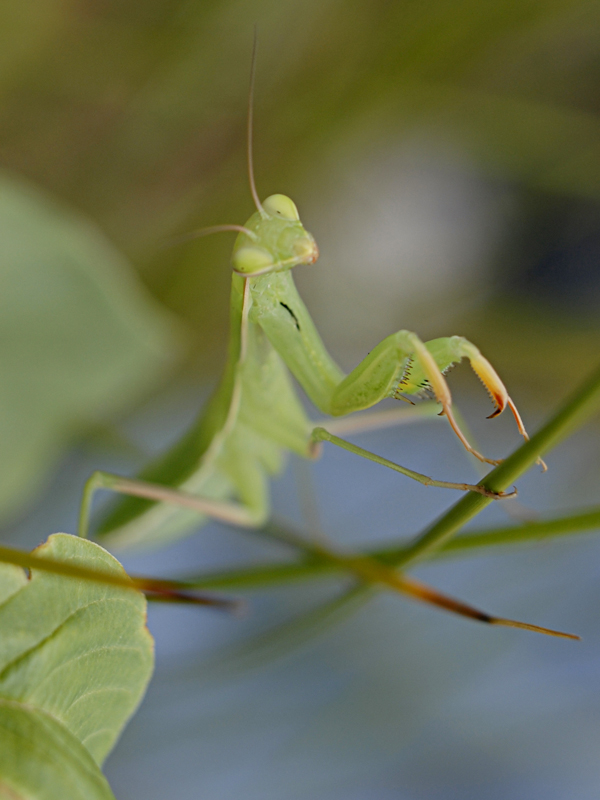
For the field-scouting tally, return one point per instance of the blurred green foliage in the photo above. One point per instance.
(75, 660)
(80, 341)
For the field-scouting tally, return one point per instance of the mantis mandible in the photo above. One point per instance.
(221, 468)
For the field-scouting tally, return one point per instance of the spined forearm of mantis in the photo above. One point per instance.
(221, 468)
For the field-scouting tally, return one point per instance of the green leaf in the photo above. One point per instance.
(76, 650)
(80, 338)
(41, 760)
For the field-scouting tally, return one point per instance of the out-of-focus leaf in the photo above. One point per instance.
(41, 760)
(72, 649)
(79, 336)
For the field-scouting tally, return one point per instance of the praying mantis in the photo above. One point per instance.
(221, 468)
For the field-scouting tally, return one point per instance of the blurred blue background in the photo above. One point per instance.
(445, 156)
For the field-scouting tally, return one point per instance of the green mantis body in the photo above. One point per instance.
(224, 463)
(221, 468)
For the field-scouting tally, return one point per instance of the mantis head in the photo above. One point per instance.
(273, 240)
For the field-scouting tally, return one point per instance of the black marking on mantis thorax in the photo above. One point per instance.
(289, 310)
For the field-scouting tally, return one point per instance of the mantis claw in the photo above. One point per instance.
(523, 432)
(441, 390)
(491, 380)
(502, 495)
(435, 358)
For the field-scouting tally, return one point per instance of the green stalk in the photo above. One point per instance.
(165, 590)
(315, 567)
(510, 535)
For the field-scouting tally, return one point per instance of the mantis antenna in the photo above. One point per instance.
(186, 237)
(253, 191)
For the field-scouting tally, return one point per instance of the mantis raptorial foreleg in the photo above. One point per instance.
(400, 364)
(446, 352)
(425, 364)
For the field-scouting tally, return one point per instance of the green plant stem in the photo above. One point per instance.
(314, 567)
(510, 535)
(167, 591)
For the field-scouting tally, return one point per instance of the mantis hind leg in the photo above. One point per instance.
(245, 515)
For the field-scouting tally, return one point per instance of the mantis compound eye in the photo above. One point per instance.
(249, 260)
(278, 205)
